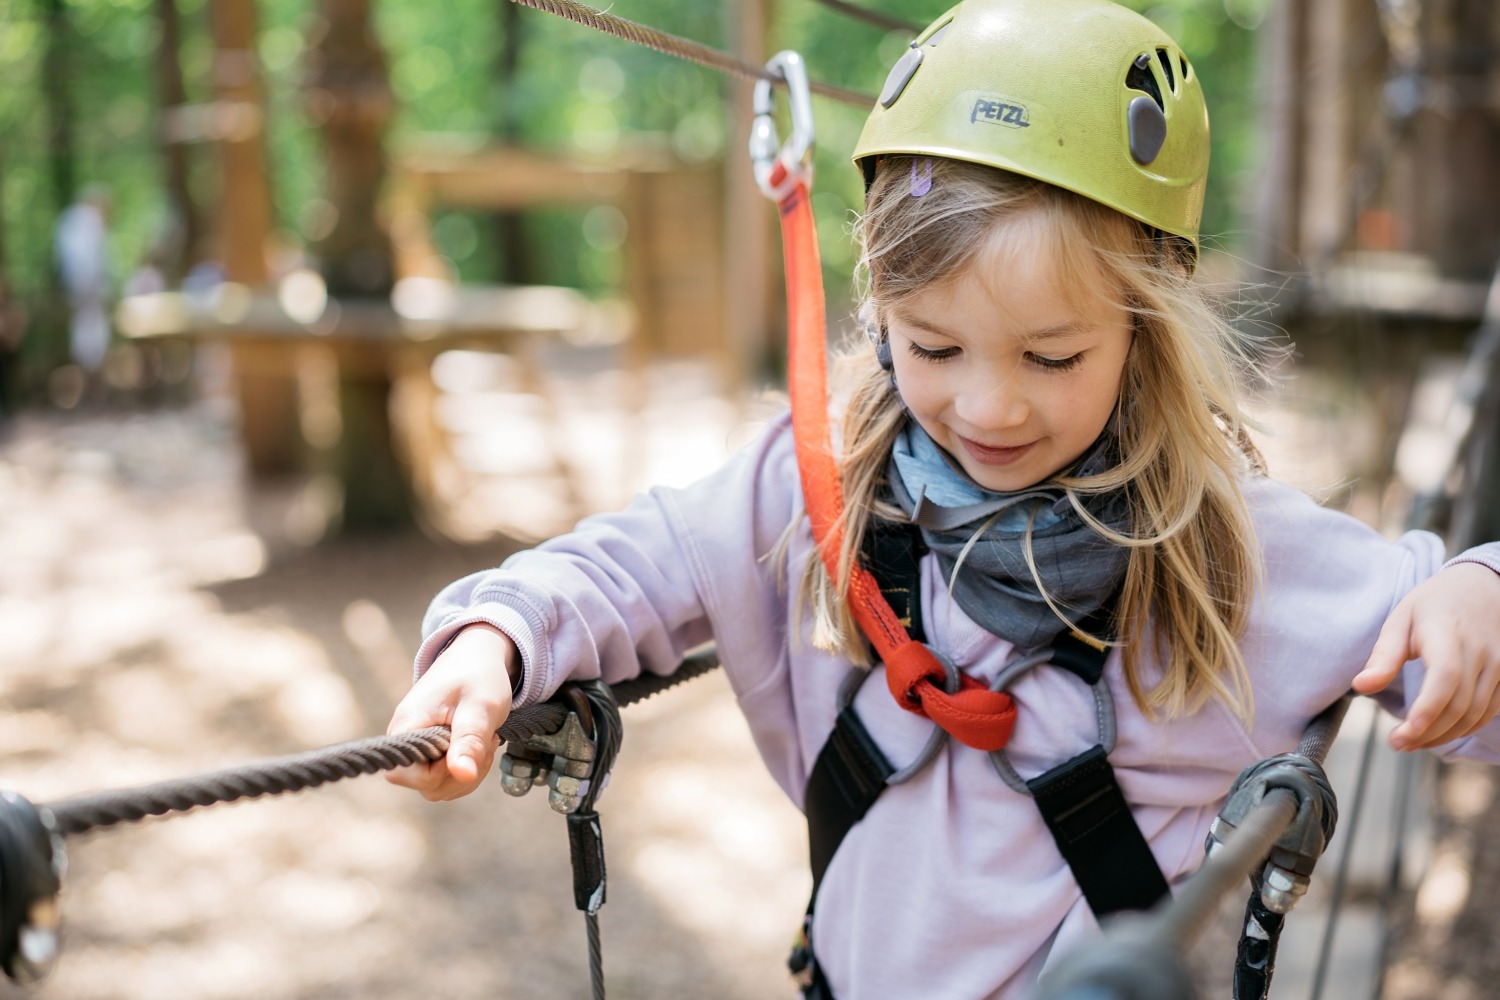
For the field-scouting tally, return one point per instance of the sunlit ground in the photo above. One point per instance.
(159, 617)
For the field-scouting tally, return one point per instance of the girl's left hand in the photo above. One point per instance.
(1451, 621)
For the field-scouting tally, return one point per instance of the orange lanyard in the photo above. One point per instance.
(972, 714)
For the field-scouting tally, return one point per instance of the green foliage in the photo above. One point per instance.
(574, 90)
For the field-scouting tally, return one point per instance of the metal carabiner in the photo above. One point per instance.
(850, 686)
(780, 166)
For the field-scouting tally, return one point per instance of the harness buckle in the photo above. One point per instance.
(780, 167)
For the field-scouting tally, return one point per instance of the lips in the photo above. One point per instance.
(987, 455)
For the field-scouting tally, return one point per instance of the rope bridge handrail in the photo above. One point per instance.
(333, 763)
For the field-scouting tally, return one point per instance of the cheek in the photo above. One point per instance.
(915, 382)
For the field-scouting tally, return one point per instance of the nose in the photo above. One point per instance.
(993, 400)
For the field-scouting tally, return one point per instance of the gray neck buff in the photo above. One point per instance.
(1080, 570)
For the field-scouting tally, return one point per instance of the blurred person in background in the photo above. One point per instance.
(82, 263)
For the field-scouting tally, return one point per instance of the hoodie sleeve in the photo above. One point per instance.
(637, 589)
(1330, 583)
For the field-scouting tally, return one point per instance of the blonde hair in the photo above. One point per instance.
(1194, 563)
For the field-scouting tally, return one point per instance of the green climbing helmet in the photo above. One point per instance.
(1083, 94)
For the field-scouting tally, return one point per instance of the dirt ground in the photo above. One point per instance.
(157, 622)
(160, 617)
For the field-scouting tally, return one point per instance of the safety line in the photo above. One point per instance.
(877, 18)
(682, 48)
(329, 764)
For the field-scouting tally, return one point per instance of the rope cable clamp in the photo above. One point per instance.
(780, 167)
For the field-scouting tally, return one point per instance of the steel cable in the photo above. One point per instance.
(878, 19)
(333, 763)
(682, 48)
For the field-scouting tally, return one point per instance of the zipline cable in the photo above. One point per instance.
(682, 48)
(877, 18)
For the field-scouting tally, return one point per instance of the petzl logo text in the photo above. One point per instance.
(998, 112)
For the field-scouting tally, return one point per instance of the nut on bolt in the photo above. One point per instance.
(1281, 890)
(517, 774)
(566, 793)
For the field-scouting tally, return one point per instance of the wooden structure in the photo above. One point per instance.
(1381, 139)
(376, 343)
(674, 265)
(673, 249)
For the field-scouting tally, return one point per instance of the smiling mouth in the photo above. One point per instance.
(995, 456)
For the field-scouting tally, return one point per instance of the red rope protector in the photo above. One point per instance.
(974, 715)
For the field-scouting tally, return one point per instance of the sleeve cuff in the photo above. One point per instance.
(502, 617)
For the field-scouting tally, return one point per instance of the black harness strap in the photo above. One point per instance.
(1080, 800)
(846, 779)
(1082, 804)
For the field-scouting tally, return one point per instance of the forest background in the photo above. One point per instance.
(85, 88)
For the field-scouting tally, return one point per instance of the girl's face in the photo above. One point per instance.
(1007, 372)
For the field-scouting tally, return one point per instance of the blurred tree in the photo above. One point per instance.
(513, 256)
(349, 95)
(48, 340)
(78, 80)
(181, 241)
(56, 76)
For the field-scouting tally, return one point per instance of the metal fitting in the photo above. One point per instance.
(1287, 872)
(517, 774)
(566, 793)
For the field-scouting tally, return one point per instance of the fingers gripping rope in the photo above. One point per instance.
(32, 857)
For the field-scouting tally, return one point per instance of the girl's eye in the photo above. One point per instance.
(943, 354)
(1057, 364)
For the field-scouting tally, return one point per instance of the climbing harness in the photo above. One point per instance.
(1281, 812)
(972, 714)
(1140, 956)
(1079, 799)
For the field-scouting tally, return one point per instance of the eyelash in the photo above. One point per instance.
(921, 352)
(1050, 364)
(1057, 364)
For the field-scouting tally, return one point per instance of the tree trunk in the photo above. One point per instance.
(181, 253)
(349, 93)
(513, 262)
(61, 166)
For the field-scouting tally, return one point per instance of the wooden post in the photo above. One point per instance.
(1455, 186)
(1278, 193)
(747, 217)
(265, 376)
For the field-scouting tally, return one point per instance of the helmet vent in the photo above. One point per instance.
(1182, 61)
(1165, 58)
(1140, 77)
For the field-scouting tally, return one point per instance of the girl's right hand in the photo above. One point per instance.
(467, 688)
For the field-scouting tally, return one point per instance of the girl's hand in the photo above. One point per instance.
(1452, 621)
(468, 689)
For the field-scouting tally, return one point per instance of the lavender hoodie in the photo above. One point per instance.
(951, 888)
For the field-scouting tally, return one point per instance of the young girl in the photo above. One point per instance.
(1046, 402)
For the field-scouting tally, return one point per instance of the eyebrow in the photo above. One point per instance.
(1062, 329)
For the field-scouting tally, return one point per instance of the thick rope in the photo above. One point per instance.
(682, 48)
(334, 763)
